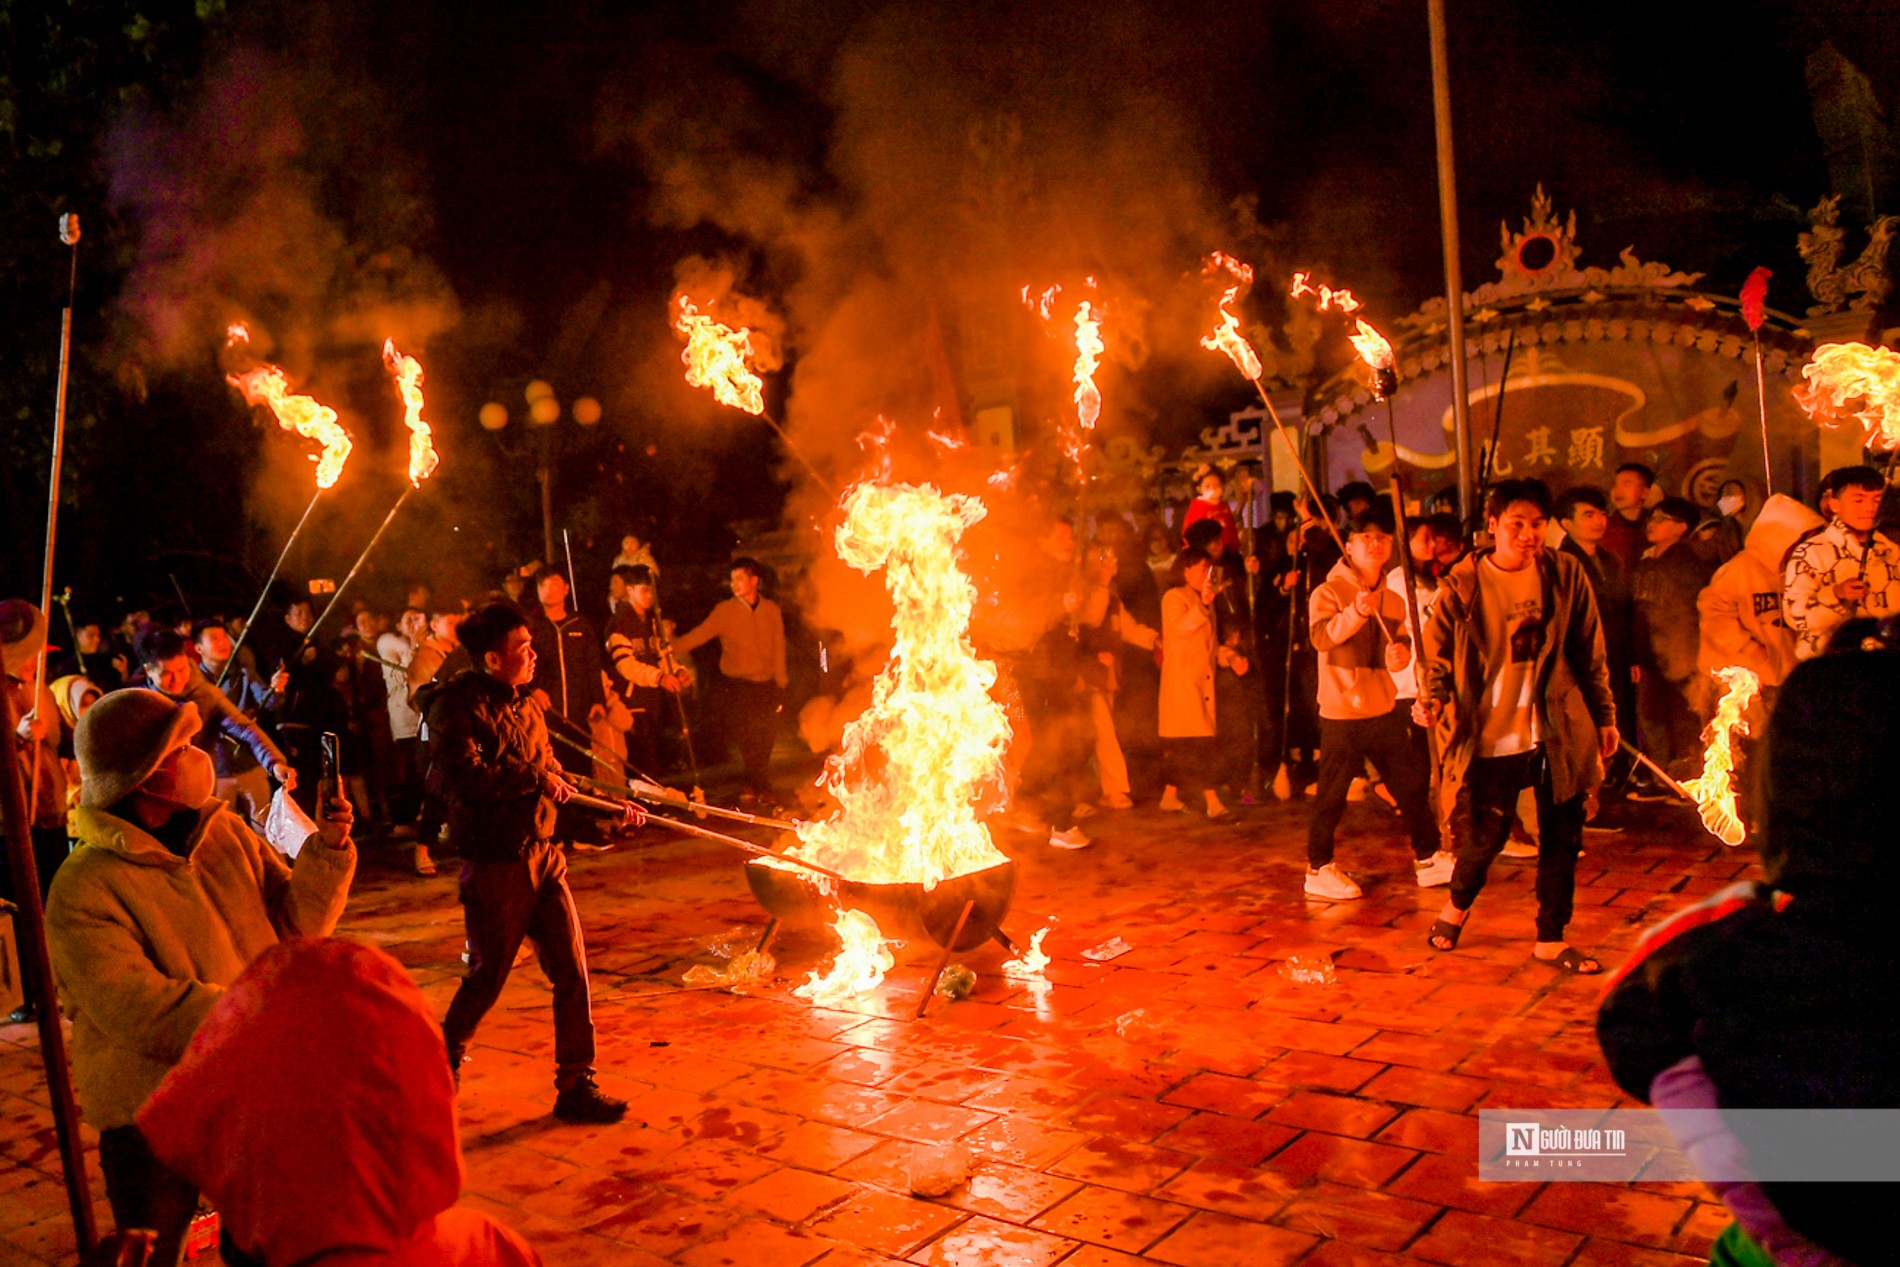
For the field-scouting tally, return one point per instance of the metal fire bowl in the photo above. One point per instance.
(907, 911)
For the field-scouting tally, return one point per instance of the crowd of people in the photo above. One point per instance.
(191, 810)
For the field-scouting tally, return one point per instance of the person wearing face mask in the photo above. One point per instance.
(1720, 539)
(167, 897)
(1210, 502)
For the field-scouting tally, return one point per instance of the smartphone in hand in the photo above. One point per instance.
(330, 782)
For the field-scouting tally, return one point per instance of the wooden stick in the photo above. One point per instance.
(1319, 506)
(30, 923)
(605, 806)
(270, 580)
(943, 960)
(1657, 770)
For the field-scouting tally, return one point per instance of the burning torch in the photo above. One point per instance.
(1376, 353)
(1226, 337)
(269, 386)
(407, 371)
(720, 358)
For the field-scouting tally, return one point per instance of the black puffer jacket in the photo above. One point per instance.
(489, 746)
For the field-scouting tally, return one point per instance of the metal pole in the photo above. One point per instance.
(30, 922)
(798, 453)
(354, 569)
(1454, 274)
(69, 234)
(270, 580)
(1407, 572)
(1761, 400)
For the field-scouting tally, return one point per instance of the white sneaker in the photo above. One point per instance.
(1282, 785)
(1084, 810)
(1435, 871)
(1215, 810)
(1171, 802)
(1356, 791)
(1332, 884)
(1515, 848)
(1070, 839)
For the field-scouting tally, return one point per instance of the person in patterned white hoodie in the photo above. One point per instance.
(1845, 570)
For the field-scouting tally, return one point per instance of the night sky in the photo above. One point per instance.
(511, 191)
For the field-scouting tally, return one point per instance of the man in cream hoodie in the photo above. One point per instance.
(1741, 619)
(1362, 635)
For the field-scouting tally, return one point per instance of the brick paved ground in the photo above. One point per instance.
(1238, 1117)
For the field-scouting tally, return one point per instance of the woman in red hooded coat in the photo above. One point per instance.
(315, 1110)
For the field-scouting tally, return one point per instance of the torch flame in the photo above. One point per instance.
(267, 385)
(1226, 337)
(721, 358)
(913, 765)
(860, 966)
(1843, 373)
(237, 332)
(1366, 341)
(1714, 790)
(408, 373)
(1088, 352)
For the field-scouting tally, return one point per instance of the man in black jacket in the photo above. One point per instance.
(1585, 515)
(503, 786)
(567, 685)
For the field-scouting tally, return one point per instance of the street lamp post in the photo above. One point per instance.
(544, 416)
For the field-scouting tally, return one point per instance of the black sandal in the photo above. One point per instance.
(1570, 959)
(1449, 931)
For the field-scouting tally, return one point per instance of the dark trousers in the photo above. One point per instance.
(1302, 716)
(143, 1193)
(1481, 822)
(405, 781)
(1671, 730)
(503, 902)
(752, 724)
(1344, 748)
(1061, 736)
(1237, 708)
(1187, 764)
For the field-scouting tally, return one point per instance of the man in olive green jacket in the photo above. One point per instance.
(166, 897)
(1515, 679)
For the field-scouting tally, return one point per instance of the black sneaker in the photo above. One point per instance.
(585, 1102)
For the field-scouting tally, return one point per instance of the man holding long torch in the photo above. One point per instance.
(504, 788)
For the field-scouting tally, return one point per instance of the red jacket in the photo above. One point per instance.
(314, 1108)
(1220, 513)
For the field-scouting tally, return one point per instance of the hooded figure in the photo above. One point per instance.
(350, 1157)
(1787, 994)
(1741, 618)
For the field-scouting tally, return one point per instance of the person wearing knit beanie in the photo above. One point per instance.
(168, 895)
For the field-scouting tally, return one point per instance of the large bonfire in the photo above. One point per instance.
(914, 766)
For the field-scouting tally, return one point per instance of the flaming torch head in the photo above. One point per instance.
(1852, 380)
(1088, 352)
(1366, 341)
(407, 372)
(720, 358)
(267, 385)
(1226, 336)
(1714, 790)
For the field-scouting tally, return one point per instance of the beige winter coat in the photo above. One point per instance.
(1742, 623)
(1189, 654)
(144, 941)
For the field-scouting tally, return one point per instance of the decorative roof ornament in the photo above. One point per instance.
(1540, 258)
(1861, 286)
